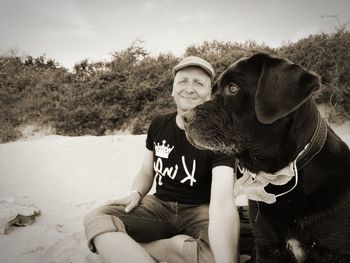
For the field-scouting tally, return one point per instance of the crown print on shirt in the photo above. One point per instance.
(162, 150)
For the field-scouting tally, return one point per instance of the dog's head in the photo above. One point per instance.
(250, 112)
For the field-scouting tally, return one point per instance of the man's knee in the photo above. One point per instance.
(99, 221)
(90, 216)
(197, 251)
(108, 212)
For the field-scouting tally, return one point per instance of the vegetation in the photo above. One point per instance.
(129, 90)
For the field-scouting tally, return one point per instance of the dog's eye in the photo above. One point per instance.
(233, 89)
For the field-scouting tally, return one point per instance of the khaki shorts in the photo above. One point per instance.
(154, 219)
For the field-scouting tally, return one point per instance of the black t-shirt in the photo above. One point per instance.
(182, 172)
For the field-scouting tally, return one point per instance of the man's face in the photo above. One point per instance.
(192, 86)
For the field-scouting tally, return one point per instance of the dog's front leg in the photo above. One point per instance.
(269, 241)
(269, 252)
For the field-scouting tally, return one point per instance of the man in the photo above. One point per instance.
(193, 186)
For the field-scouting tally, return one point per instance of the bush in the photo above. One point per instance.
(329, 56)
(128, 91)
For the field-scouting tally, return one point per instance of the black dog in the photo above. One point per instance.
(263, 113)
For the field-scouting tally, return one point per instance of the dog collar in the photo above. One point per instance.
(252, 184)
(315, 145)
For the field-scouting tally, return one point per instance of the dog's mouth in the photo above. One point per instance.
(199, 144)
(208, 134)
(212, 146)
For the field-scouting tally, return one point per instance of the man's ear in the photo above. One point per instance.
(282, 88)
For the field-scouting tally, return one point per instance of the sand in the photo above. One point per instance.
(66, 177)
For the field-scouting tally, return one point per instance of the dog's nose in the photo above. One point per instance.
(188, 116)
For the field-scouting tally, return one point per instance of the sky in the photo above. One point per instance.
(70, 31)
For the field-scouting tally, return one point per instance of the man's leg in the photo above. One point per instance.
(168, 250)
(120, 247)
(145, 225)
(194, 221)
(183, 248)
(114, 234)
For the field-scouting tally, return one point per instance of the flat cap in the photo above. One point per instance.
(193, 61)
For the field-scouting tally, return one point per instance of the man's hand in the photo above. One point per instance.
(130, 201)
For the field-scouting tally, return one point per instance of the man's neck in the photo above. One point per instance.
(179, 121)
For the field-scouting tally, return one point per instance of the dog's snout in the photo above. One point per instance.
(188, 116)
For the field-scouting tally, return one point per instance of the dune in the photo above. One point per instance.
(65, 177)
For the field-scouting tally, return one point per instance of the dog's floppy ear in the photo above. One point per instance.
(283, 87)
(214, 87)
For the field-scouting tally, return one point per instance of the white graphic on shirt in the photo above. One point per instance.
(160, 173)
(190, 176)
(172, 171)
(162, 150)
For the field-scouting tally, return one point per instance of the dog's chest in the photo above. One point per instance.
(294, 246)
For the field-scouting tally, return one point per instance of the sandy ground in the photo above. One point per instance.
(66, 177)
